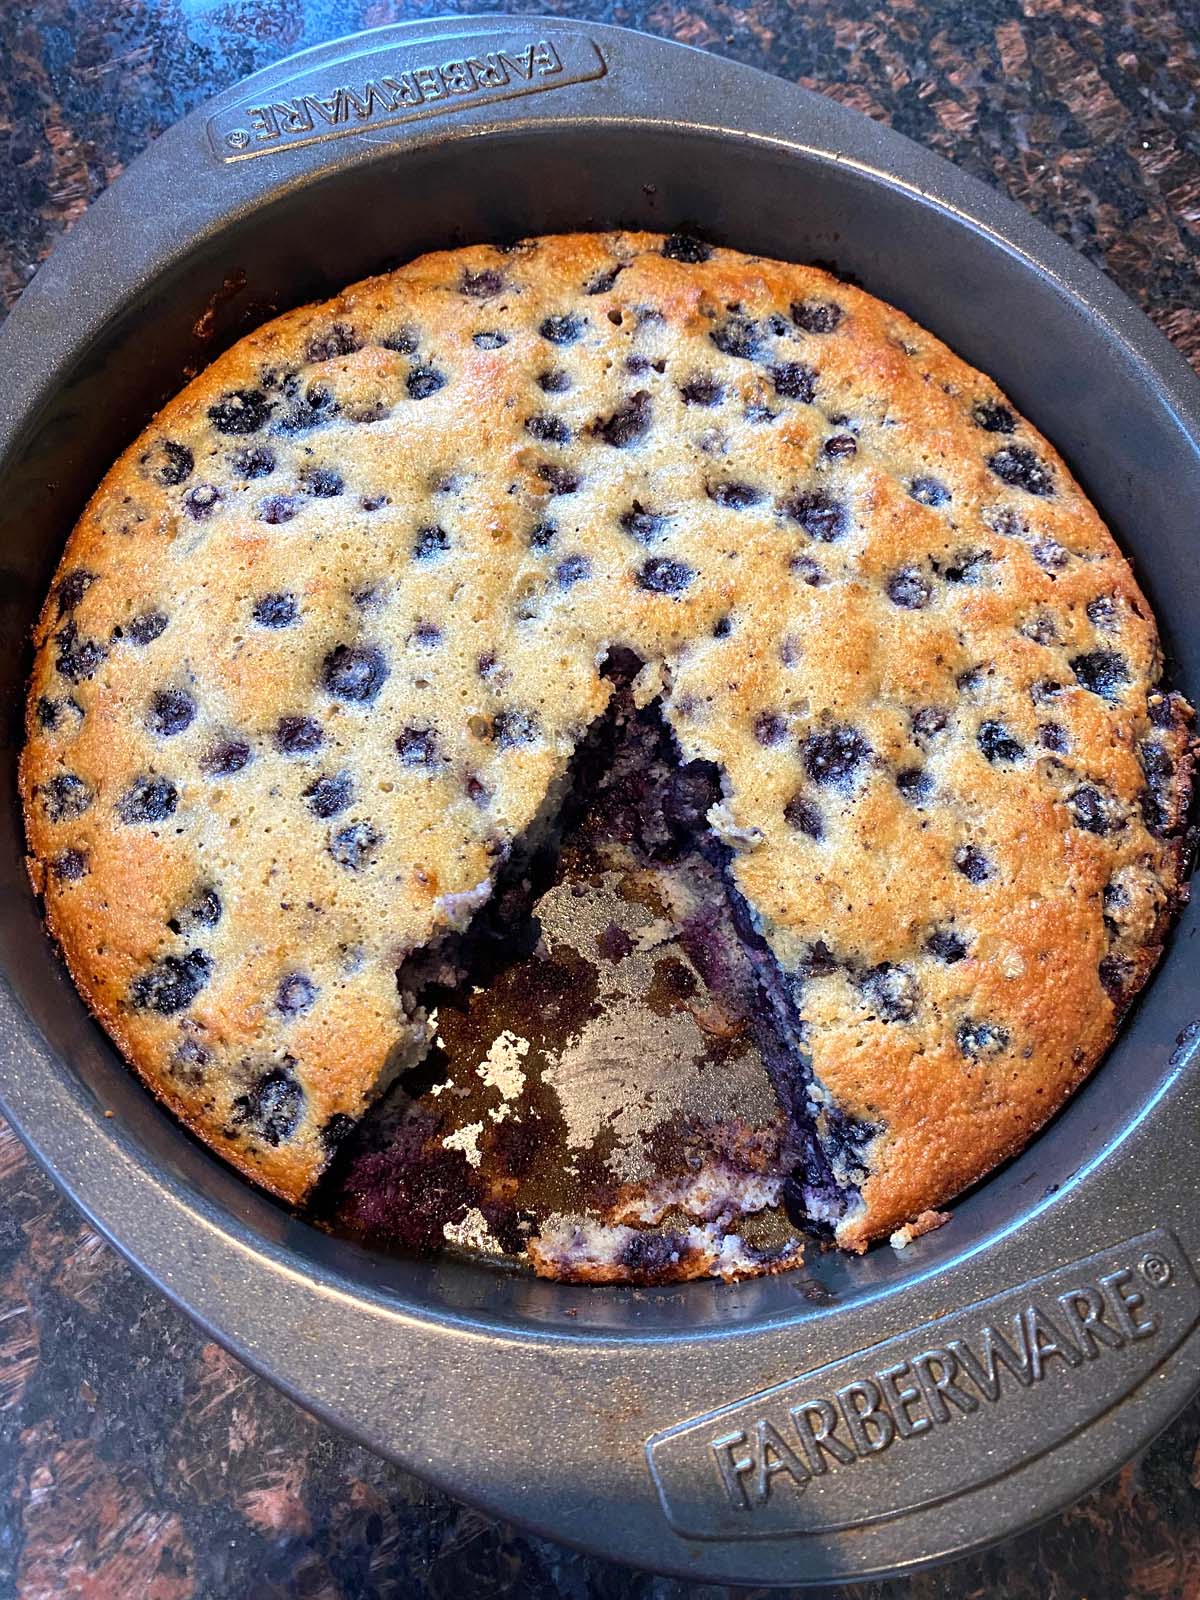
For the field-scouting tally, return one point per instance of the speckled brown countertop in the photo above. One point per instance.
(136, 1458)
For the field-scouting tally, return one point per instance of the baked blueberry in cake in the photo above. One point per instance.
(324, 650)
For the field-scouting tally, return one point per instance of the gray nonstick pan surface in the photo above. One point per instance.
(754, 1433)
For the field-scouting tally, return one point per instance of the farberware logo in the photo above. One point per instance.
(971, 1396)
(347, 97)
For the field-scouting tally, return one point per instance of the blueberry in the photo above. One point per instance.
(78, 658)
(1043, 690)
(201, 501)
(841, 447)
(1094, 811)
(430, 542)
(915, 784)
(65, 797)
(997, 744)
(336, 1131)
(1157, 808)
(967, 682)
(571, 570)
(170, 712)
(424, 381)
(542, 534)
(891, 991)
(148, 800)
(48, 712)
(257, 461)
(929, 491)
(403, 341)
(835, 755)
(549, 429)
(354, 846)
(738, 336)
(337, 340)
(946, 945)
(329, 795)
(354, 672)
(223, 759)
(642, 524)
(1050, 555)
(604, 281)
(374, 502)
(241, 411)
(426, 633)
(973, 864)
(816, 316)
(628, 422)
(794, 380)
(554, 381)
(170, 463)
(558, 480)
(690, 792)
(1052, 736)
(511, 728)
(481, 285)
(418, 747)
(295, 994)
(978, 1040)
(722, 627)
(144, 629)
(1102, 612)
(1116, 975)
(69, 866)
(276, 610)
(769, 728)
(1017, 466)
(277, 508)
(1041, 629)
(1103, 672)
(565, 329)
(488, 667)
(968, 566)
(171, 984)
(909, 590)
(808, 571)
(801, 814)
(309, 410)
(734, 496)
(662, 575)
(203, 910)
(298, 736)
(489, 340)
(271, 1109)
(822, 515)
(993, 416)
(686, 247)
(928, 721)
(323, 483)
(70, 590)
(702, 391)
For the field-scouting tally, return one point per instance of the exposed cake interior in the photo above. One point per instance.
(731, 1177)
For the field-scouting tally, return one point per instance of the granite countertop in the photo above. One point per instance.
(136, 1457)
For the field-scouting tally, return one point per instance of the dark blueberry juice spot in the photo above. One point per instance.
(272, 1109)
(702, 391)
(816, 316)
(1104, 672)
(223, 759)
(511, 728)
(542, 535)
(891, 992)
(72, 588)
(929, 491)
(1094, 811)
(559, 480)
(295, 994)
(255, 462)
(329, 795)
(554, 381)
(170, 463)
(686, 247)
(997, 744)
(734, 496)
(769, 728)
(603, 281)
(835, 755)
(550, 429)
(65, 797)
(298, 736)
(418, 747)
(170, 712)
(78, 658)
(562, 330)
(571, 570)
(794, 380)
(322, 482)
(915, 784)
(337, 340)
(241, 411)
(979, 1040)
(277, 508)
(145, 628)
(722, 627)
(972, 863)
(1053, 736)
(840, 447)
(946, 945)
(489, 340)
(738, 336)
(353, 846)
(642, 524)
(1043, 690)
(430, 542)
(822, 515)
(148, 800)
(808, 571)
(69, 866)
(424, 381)
(336, 1131)
(354, 672)
(276, 610)
(481, 285)
(800, 813)
(48, 712)
(909, 589)
(663, 575)
(627, 424)
(1102, 612)
(171, 984)
(1017, 466)
(993, 417)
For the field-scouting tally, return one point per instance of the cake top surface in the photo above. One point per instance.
(322, 644)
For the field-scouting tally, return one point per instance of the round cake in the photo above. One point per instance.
(322, 652)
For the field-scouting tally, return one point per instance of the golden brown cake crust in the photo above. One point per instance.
(324, 639)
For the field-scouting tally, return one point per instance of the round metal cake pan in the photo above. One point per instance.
(679, 1429)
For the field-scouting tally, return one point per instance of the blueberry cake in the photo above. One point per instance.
(326, 653)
